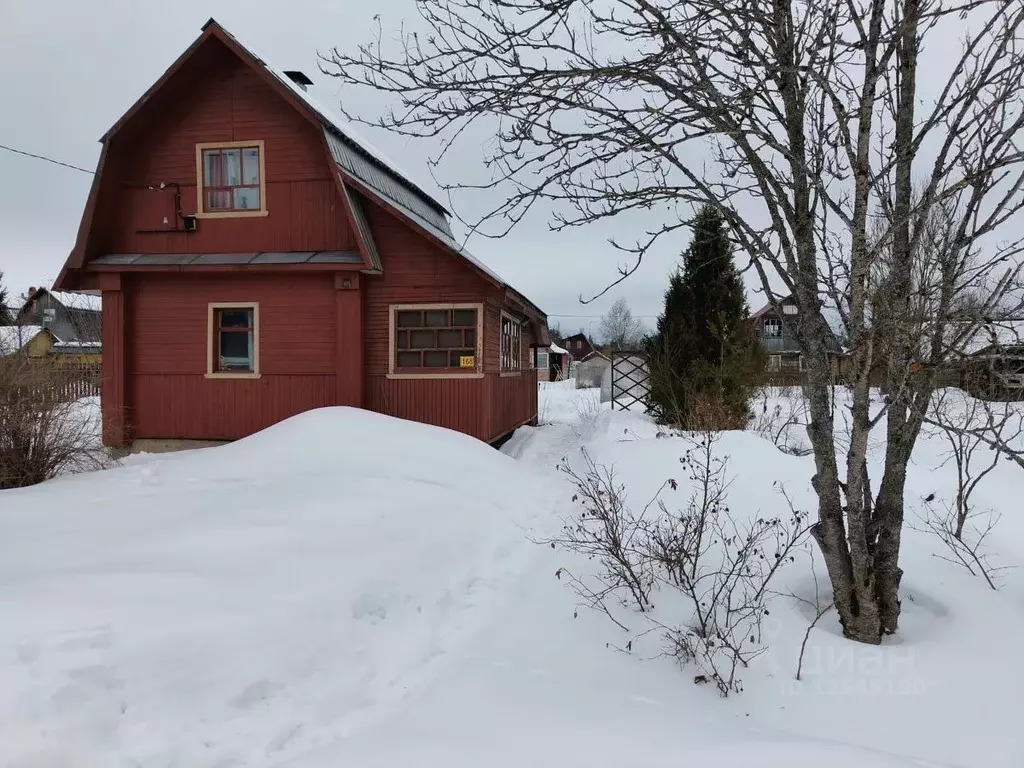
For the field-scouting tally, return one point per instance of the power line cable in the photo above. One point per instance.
(47, 159)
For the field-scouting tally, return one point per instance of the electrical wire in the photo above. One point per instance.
(47, 159)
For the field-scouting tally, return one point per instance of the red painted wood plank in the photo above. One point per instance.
(349, 336)
(170, 313)
(113, 399)
(192, 407)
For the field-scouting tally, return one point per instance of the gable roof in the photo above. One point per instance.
(991, 338)
(342, 131)
(80, 314)
(362, 167)
(14, 338)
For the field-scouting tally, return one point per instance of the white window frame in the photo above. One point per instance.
(775, 322)
(774, 362)
(211, 346)
(517, 367)
(470, 373)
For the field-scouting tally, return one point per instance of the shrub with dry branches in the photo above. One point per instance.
(973, 430)
(43, 432)
(776, 421)
(720, 565)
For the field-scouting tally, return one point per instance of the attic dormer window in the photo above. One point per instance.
(231, 179)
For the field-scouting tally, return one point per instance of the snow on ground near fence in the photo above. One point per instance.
(350, 589)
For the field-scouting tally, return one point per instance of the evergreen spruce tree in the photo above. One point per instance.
(704, 352)
(5, 315)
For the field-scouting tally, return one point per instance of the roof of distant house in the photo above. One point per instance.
(14, 337)
(993, 336)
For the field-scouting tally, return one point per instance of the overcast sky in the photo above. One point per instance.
(69, 69)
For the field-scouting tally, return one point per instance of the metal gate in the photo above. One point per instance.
(631, 381)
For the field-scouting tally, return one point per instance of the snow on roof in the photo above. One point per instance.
(15, 337)
(78, 300)
(558, 350)
(1002, 333)
(76, 344)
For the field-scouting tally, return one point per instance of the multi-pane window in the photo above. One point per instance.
(231, 179)
(772, 328)
(435, 339)
(234, 339)
(511, 344)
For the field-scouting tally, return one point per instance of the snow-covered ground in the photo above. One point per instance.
(350, 589)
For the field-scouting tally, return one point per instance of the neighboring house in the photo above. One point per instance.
(775, 335)
(69, 316)
(990, 361)
(75, 321)
(552, 363)
(593, 370)
(579, 345)
(30, 340)
(267, 261)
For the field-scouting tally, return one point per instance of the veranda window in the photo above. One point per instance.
(511, 344)
(435, 340)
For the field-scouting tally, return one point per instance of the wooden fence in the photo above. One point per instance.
(52, 379)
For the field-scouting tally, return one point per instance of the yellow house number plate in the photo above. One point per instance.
(467, 361)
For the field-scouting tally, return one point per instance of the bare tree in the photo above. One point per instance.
(806, 115)
(619, 329)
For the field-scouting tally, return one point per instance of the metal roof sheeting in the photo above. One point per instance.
(212, 259)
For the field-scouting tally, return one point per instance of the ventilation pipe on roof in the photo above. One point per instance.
(299, 78)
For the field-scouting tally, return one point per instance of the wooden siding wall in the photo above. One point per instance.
(113, 384)
(217, 98)
(322, 342)
(168, 317)
(418, 272)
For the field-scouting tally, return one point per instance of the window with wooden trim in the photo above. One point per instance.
(231, 179)
(234, 340)
(772, 328)
(435, 340)
(511, 343)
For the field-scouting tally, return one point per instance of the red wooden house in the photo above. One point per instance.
(258, 259)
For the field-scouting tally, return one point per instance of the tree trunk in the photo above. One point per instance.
(889, 508)
(853, 584)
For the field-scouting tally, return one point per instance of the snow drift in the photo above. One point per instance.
(350, 589)
(231, 604)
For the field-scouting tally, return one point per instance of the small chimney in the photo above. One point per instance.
(299, 78)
